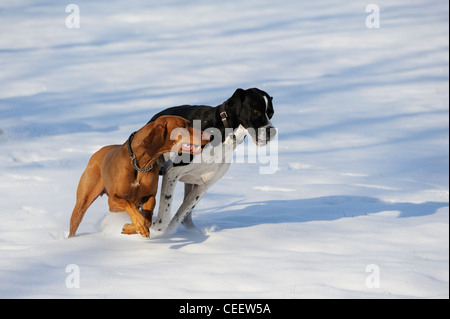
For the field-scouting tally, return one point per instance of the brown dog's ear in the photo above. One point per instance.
(155, 139)
(158, 140)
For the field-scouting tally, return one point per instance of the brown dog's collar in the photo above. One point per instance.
(130, 150)
(133, 157)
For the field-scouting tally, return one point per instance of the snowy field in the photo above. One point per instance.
(358, 206)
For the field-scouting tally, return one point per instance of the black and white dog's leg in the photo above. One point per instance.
(169, 181)
(188, 205)
(187, 221)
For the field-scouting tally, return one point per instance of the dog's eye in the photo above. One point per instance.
(256, 111)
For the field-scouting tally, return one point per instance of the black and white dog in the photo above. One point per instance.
(246, 112)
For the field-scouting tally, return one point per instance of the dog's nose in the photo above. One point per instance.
(266, 134)
(270, 133)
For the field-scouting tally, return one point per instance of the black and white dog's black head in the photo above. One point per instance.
(253, 110)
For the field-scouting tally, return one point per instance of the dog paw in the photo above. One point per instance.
(130, 229)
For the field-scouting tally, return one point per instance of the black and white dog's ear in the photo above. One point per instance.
(234, 103)
(238, 96)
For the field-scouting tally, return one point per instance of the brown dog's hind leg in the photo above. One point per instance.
(89, 188)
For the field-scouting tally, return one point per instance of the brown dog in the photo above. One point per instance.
(128, 173)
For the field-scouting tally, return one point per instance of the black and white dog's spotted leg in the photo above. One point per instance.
(169, 181)
(187, 221)
(188, 205)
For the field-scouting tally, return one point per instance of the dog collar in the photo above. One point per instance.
(133, 157)
(224, 115)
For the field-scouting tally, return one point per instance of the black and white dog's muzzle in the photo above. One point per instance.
(263, 135)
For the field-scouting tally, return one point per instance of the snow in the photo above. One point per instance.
(357, 206)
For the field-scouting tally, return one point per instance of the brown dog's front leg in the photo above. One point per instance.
(148, 208)
(139, 223)
(147, 211)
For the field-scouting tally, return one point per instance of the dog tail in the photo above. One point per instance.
(89, 188)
